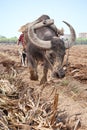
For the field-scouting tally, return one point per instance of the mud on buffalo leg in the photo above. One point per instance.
(32, 68)
(45, 71)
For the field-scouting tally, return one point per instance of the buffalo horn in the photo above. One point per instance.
(71, 42)
(33, 37)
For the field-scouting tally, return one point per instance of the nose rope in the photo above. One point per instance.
(51, 66)
(67, 59)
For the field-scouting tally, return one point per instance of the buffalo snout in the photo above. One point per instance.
(59, 73)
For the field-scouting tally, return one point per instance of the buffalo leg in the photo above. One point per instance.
(45, 71)
(32, 68)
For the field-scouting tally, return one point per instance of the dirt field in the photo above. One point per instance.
(18, 93)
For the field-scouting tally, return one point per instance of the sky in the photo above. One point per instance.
(15, 13)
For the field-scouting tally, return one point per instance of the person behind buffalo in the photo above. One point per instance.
(21, 41)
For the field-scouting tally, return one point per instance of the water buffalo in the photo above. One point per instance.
(44, 44)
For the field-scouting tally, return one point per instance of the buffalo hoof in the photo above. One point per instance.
(43, 80)
(34, 77)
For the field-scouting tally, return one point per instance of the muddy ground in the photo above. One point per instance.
(17, 91)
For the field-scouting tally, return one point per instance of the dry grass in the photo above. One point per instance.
(60, 104)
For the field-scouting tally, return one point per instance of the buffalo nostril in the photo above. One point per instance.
(59, 74)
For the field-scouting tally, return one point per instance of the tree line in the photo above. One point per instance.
(81, 41)
(4, 39)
